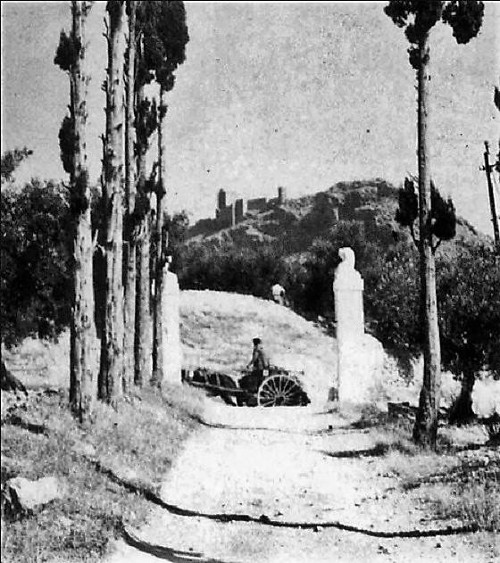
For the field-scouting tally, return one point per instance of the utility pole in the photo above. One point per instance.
(494, 217)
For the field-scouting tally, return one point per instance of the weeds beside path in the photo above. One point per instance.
(138, 444)
(302, 488)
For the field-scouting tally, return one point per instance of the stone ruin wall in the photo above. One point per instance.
(232, 214)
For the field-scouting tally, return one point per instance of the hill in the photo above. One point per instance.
(217, 329)
(293, 225)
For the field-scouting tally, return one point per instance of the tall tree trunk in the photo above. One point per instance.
(161, 251)
(81, 391)
(425, 430)
(130, 234)
(461, 411)
(143, 325)
(110, 380)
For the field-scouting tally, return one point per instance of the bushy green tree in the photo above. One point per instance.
(315, 295)
(392, 305)
(229, 268)
(36, 260)
(469, 298)
(177, 226)
(442, 213)
(11, 160)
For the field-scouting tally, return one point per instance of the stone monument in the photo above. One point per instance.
(348, 288)
(358, 354)
(172, 350)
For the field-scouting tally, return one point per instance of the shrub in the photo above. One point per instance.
(35, 255)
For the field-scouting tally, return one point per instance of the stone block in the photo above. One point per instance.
(172, 350)
(23, 495)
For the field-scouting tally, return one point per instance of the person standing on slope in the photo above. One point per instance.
(278, 292)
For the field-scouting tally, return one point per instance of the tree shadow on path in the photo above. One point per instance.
(376, 451)
(167, 553)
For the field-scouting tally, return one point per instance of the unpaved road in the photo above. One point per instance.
(274, 470)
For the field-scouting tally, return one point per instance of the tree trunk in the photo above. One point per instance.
(143, 322)
(9, 382)
(161, 252)
(461, 412)
(110, 380)
(130, 234)
(425, 430)
(81, 391)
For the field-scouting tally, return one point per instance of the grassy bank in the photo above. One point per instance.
(459, 482)
(137, 443)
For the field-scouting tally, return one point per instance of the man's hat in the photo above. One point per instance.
(256, 340)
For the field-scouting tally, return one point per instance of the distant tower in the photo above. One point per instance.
(281, 195)
(221, 199)
(239, 210)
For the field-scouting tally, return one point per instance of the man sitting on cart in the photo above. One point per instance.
(258, 364)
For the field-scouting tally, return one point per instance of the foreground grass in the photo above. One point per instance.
(459, 482)
(138, 443)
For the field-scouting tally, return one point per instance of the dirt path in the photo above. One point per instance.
(240, 494)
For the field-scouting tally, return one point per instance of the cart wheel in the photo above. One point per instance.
(280, 391)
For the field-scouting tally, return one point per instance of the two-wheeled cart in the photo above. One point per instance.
(279, 387)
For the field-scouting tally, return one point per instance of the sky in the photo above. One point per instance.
(294, 94)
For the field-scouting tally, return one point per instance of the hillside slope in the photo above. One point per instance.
(217, 329)
(294, 225)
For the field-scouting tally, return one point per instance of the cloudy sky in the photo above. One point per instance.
(293, 94)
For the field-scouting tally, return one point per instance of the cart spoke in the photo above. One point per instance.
(282, 384)
(267, 403)
(294, 397)
(288, 385)
(274, 383)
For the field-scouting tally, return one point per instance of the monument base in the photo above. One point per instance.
(360, 368)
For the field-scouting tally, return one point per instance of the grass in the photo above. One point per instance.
(458, 482)
(475, 504)
(139, 443)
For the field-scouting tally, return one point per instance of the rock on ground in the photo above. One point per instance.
(24, 495)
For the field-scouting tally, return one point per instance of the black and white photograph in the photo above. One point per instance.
(250, 281)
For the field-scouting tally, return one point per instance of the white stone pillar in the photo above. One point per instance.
(348, 288)
(172, 350)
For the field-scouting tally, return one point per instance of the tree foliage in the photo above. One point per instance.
(443, 217)
(165, 34)
(67, 143)
(418, 17)
(176, 226)
(36, 261)
(67, 51)
(465, 18)
(469, 289)
(229, 268)
(11, 160)
(392, 304)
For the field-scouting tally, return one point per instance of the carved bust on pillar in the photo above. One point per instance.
(347, 257)
(348, 288)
